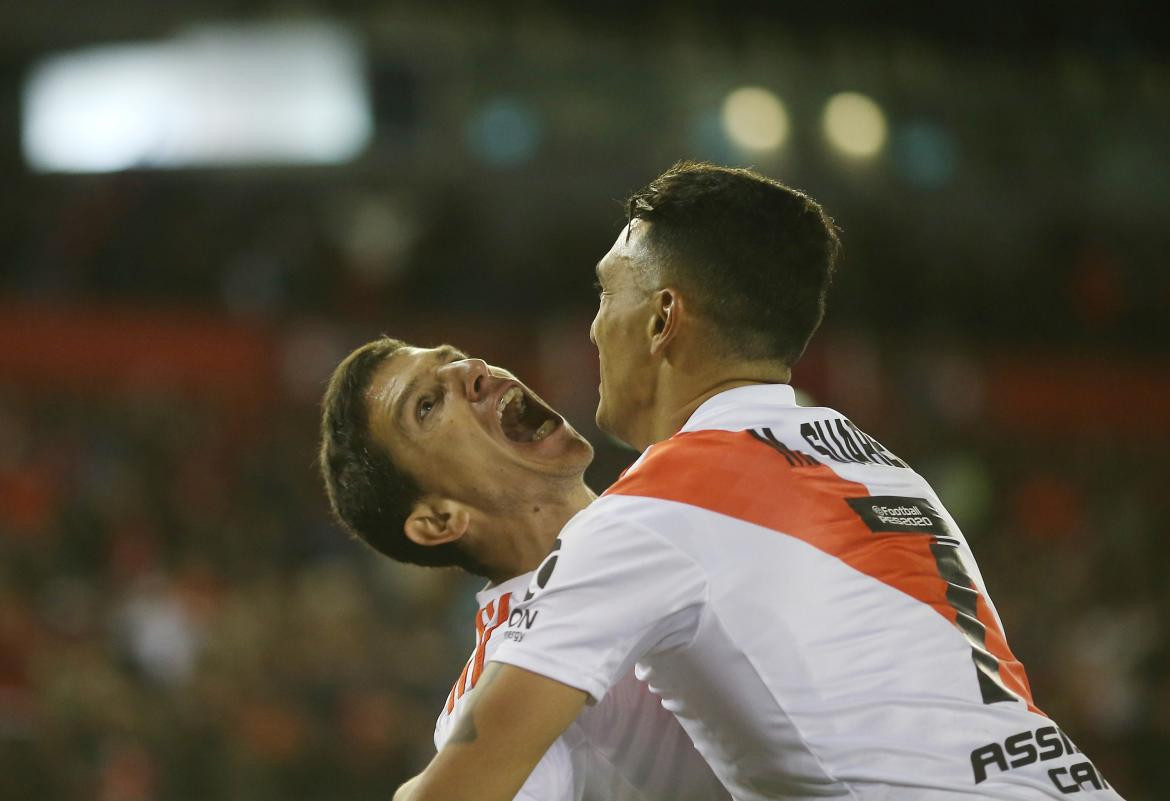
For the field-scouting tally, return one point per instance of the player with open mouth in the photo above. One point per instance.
(436, 458)
(795, 593)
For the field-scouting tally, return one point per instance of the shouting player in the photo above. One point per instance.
(797, 595)
(437, 459)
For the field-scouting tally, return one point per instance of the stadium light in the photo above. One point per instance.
(505, 132)
(854, 124)
(755, 119)
(216, 96)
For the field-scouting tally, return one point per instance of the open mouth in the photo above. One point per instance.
(523, 418)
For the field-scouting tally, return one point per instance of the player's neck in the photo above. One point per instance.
(518, 540)
(681, 393)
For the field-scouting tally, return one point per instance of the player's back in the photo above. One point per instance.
(807, 608)
(847, 630)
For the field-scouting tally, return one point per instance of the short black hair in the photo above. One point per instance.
(758, 255)
(370, 495)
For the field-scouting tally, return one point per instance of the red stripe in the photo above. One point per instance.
(461, 683)
(481, 620)
(1011, 670)
(481, 651)
(457, 691)
(733, 474)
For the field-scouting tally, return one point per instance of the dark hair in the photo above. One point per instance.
(759, 255)
(370, 496)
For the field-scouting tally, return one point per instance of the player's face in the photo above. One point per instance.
(621, 331)
(465, 429)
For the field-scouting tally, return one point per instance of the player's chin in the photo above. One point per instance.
(569, 454)
(607, 421)
(574, 447)
(601, 416)
(579, 448)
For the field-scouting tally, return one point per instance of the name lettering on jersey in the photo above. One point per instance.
(794, 458)
(1029, 747)
(840, 440)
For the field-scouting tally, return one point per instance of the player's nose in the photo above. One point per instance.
(471, 374)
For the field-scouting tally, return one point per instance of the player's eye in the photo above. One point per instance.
(598, 287)
(426, 405)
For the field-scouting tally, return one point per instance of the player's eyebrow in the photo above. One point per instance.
(597, 271)
(445, 354)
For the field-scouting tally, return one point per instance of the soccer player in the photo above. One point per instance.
(797, 595)
(437, 459)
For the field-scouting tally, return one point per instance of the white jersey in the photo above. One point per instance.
(625, 748)
(803, 603)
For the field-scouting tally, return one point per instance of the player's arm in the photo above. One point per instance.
(614, 591)
(507, 727)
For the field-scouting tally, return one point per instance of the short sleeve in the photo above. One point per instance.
(611, 592)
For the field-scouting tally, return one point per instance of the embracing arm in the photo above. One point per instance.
(512, 719)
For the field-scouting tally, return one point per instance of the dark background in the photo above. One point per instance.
(179, 618)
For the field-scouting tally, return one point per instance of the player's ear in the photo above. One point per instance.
(665, 314)
(433, 521)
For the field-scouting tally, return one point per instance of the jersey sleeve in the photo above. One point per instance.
(610, 592)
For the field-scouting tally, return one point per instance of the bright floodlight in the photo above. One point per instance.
(755, 119)
(289, 94)
(854, 124)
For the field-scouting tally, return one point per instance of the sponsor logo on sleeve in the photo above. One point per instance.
(519, 622)
(522, 618)
(892, 513)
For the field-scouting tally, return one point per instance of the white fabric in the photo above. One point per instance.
(797, 674)
(624, 748)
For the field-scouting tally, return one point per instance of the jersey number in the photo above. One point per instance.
(963, 597)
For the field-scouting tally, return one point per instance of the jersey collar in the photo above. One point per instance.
(493, 591)
(718, 406)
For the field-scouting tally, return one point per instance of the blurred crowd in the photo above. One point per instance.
(180, 620)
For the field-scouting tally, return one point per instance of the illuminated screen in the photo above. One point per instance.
(212, 97)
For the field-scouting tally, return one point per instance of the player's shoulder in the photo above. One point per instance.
(691, 469)
(687, 449)
(613, 516)
(694, 467)
(616, 529)
(686, 459)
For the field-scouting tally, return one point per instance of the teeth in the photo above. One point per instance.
(512, 394)
(545, 429)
